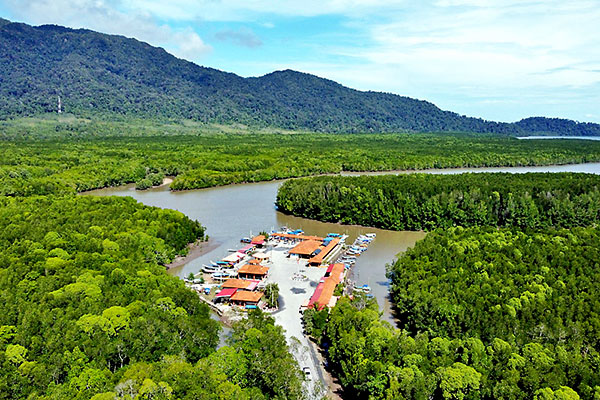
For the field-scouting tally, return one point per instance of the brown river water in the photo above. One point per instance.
(232, 212)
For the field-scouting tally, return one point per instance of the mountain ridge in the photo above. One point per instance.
(100, 74)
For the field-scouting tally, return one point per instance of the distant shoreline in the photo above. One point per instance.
(558, 137)
(131, 186)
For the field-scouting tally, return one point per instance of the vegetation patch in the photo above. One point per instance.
(426, 201)
(89, 312)
(59, 158)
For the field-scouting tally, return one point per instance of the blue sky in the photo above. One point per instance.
(499, 60)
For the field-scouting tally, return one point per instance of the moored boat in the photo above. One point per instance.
(363, 289)
(209, 269)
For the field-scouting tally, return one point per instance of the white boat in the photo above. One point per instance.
(221, 276)
(357, 249)
(363, 289)
(210, 269)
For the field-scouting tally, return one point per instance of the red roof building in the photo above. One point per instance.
(323, 295)
(253, 271)
(244, 298)
(305, 248)
(258, 240)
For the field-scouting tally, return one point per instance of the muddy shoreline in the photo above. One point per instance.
(196, 250)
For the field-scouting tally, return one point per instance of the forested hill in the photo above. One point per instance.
(98, 74)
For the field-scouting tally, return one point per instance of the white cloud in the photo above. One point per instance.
(104, 16)
(478, 49)
(242, 37)
(246, 10)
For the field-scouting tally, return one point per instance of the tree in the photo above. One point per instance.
(458, 381)
(272, 295)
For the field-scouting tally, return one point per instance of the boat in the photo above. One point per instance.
(221, 276)
(209, 269)
(363, 289)
(371, 235)
(224, 264)
(246, 240)
(358, 250)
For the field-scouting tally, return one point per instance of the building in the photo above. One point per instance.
(239, 284)
(336, 271)
(318, 258)
(246, 299)
(253, 271)
(258, 241)
(306, 248)
(232, 286)
(247, 249)
(233, 258)
(323, 295)
(261, 256)
(224, 294)
(293, 238)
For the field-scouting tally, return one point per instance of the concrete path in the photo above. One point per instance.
(295, 292)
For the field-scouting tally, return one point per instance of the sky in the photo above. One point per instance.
(498, 60)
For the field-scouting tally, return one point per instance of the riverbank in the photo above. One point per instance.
(587, 167)
(591, 167)
(551, 167)
(232, 212)
(195, 250)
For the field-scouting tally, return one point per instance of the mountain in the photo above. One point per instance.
(99, 74)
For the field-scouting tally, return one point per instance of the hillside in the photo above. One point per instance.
(98, 75)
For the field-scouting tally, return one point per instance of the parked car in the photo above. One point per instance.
(306, 371)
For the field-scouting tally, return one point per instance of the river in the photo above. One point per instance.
(232, 212)
(560, 137)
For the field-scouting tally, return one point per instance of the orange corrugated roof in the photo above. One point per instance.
(336, 272)
(328, 289)
(258, 239)
(306, 248)
(235, 283)
(326, 250)
(254, 261)
(246, 296)
(253, 269)
(301, 237)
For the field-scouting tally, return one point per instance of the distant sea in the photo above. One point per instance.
(561, 137)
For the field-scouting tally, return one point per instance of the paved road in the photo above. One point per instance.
(294, 293)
